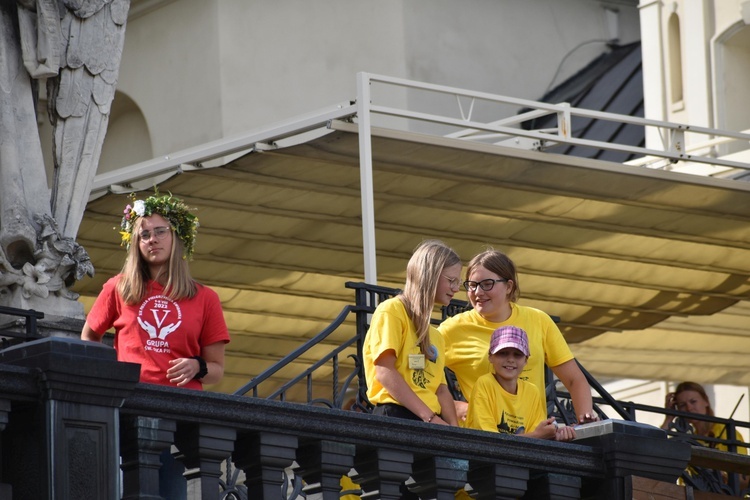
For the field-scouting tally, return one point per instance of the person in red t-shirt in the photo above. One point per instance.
(165, 321)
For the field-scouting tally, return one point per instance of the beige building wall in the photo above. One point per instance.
(696, 70)
(696, 63)
(199, 70)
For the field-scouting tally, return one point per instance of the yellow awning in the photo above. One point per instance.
(649, 270)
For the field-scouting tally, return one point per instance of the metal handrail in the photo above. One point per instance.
(730, 424)
(333, 355)
(30, 316)
(672, 134)
(286, 360)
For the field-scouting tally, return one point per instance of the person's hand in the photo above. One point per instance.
(437, 420)
(462, 408)
(182, 370)
(588, 417)
(565, 433)
(546, 429)
(670, 401)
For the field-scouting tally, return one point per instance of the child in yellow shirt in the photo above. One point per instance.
(502, 402)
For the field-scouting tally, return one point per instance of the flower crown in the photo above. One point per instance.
(183, 222)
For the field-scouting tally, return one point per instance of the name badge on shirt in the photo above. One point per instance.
(416, 361)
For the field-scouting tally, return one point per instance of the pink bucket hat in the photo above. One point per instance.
(509, 336)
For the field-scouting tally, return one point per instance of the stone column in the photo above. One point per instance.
(264, 456)
(632, 449)
(65, 446)
(324, 462)
(384, 470)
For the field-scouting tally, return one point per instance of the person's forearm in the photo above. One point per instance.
(213, 354)
(88, 334)
(447, 408)
(670, 404)
(215, 373)
(580, 393)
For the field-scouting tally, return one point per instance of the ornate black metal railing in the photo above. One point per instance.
(367, 297)
(237, 447)
(13, 334)
(100, 420)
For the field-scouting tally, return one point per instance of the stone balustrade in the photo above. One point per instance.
(73, 417)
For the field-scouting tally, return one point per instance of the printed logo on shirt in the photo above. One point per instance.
(159, 316)
(419, 378)
(509, 423)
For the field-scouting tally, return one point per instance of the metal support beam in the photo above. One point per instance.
(365, 178)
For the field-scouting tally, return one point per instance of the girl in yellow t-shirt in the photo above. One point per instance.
(403, 354)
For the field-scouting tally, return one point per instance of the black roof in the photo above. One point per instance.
(613, 83)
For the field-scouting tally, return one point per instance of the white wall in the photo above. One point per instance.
(171, 70)
(204, 69)
(715, 68)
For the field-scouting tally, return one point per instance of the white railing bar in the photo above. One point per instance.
(553, 138)
(602, 115)
(218, 148)
(511, 120)
(718, 141)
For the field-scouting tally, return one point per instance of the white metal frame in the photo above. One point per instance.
(216, 153)
(199, 157)
(672, 135)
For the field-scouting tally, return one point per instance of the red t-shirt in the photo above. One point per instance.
(159, 329)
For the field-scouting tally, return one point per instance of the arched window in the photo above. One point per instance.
(127, 141)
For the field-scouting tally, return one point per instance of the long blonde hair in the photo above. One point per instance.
(133, 284)
(423, 271)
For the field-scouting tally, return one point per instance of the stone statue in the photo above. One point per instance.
(76, 46)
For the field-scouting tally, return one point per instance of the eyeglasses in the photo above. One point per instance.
(159, 232)
(485, 285)
(454, 282)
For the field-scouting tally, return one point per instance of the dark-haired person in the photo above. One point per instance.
(691, 397)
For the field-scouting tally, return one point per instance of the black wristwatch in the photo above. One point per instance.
(202, 368)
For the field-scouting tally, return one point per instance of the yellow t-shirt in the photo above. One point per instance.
(493, 409)
(467, 343)
(391, 328)
(348, 485)
(719, 431)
